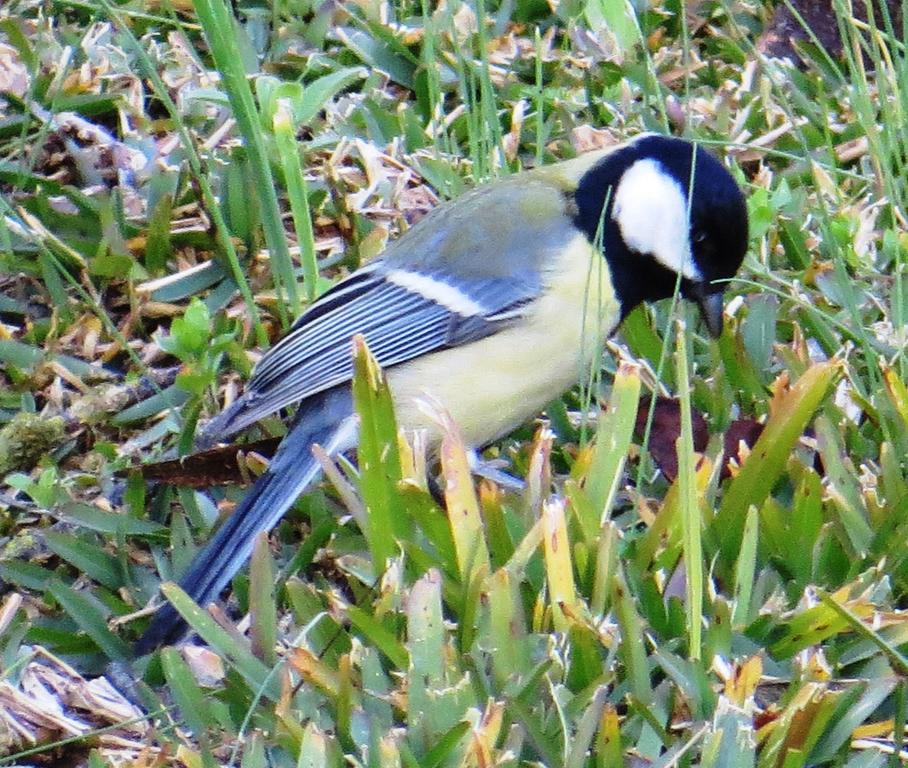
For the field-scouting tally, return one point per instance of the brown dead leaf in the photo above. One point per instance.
(585, 138)
(740, 437)
(216, 466)
(206, 666)
(665, 431)
(14, 77)
(51, 701)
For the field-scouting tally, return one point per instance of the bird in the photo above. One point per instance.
(492, 305)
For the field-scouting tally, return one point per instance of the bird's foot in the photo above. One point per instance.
(492, 470)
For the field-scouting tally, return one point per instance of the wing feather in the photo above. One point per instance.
(398, 322)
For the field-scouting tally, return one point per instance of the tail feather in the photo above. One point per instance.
(325, 419)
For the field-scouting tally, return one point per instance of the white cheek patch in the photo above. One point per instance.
(650, 208)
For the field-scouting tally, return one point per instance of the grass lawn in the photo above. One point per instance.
(708, 566)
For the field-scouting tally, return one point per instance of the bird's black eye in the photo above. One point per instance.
(698, 236)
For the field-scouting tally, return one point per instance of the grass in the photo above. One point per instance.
(614, 613)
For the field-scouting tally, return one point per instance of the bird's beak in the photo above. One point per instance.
(712, 306)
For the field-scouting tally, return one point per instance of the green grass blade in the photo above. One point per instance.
(766, 462)
(379, 459)
(688, 502)
(745, 569)
(218, 23)
(613, 438)
(187, 695)
(633, 642)
(262, 602)
(87, 615)
(297, 194)
(559, 566)
(437, 695)
(467, 530)
(255, 673)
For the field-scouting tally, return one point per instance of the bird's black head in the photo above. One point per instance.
(662, 207)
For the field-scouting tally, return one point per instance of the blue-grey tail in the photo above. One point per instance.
(326, 419)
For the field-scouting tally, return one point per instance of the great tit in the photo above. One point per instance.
(492, 305)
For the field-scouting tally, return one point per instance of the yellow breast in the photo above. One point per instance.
(497, 383)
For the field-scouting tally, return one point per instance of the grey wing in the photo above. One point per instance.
(402, 314)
